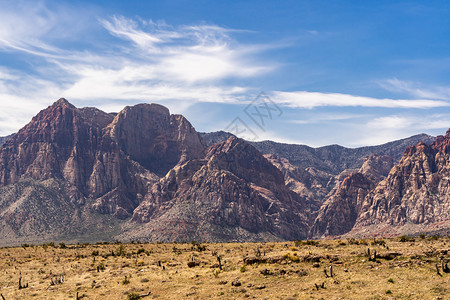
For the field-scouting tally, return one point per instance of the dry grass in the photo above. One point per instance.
(286, 270)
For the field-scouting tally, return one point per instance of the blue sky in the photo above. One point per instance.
(346, 72)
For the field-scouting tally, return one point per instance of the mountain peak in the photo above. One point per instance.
(146, 108)
(63, 102)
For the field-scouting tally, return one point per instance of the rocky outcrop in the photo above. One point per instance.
(110, 158)
(340, 210)
(141, 144)
(342, 206)
(234, 190)
(377, 167)
(60, 142)
(154, 138)
(415, 195)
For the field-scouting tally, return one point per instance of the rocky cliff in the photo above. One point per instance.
(144, 171)
(80, 174)
(234, 193)
(342, 206)
(415, 195)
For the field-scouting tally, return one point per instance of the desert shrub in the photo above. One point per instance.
(380, 242)
(390, 280)
(62, 246)
(101, 266)
(198, 247)
(121, 251)
(353, 241)
(243, 269)
(306, 243)
(133, 296)
(50, 244)
(292, 257)
(405, 239)
(216, 273)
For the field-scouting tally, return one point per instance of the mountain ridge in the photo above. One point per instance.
(81, 174)
(118, 165)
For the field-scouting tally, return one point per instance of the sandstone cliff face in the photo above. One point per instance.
(72, 167)
(414, 197)
(154, 138)
(341, 208)
(141, 143)
(233, 190)
(60, 142)
(110, 158)
(80, 173)
(309, 183)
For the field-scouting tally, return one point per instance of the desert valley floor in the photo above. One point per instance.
(400, 268)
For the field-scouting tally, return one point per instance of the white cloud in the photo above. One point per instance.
(303, 99)
(391, 122)
(327, 117)
(396, 122)
(384, 129)
(143, 61)
(414, 89)
(148, 62)
(189, 53)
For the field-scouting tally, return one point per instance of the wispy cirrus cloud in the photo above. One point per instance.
(309, 100)
(112, 61)
(415, 89)
(399, 122)
(188, 53)
(143, 62)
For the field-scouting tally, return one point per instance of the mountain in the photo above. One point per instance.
(342, 206)
(4, 139)
(316, 173)
(309, 183)
(332, 159)
(234, 193)
(414, 197)
(80, 173)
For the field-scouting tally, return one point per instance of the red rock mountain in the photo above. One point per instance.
(342, 207)
(69, 169)
(80, 174)
(234, 193)
(415, 197)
